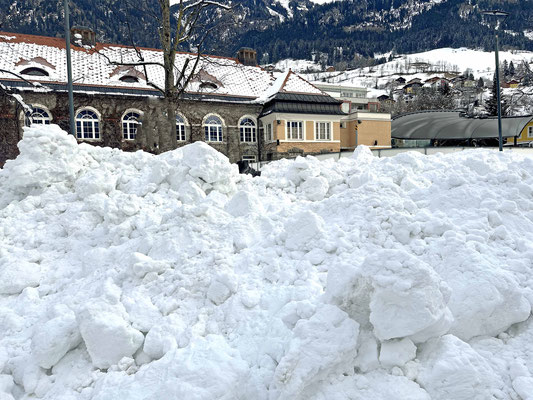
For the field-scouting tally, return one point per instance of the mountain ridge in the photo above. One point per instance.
(338, 32)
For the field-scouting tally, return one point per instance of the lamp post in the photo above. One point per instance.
(69, 71)
(502, 15)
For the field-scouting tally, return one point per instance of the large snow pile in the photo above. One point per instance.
(133, 276)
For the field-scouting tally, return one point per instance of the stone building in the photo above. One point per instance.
(231, 103)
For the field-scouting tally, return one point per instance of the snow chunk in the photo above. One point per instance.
(397, 293)
(315, 189)
(524, 387)
(243, 203)
(55, 338)
(451, 369)
(47, 155)
(107, 335)
(322, 344)
(207, 369)
(210, 166)
(304, 230)
(396, 352)
(16, 275)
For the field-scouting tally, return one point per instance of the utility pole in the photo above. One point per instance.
(69, 70)
(500, 140)
(503, 15)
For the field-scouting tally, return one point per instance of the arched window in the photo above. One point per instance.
(248, 130)
(130, 121)
(180, 128)
(87, 125)
(34, 71)
(38, 116)
(213, 129)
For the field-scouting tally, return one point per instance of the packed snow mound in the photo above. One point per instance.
(134, 276)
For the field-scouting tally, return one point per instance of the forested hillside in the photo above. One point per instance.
(338, 32)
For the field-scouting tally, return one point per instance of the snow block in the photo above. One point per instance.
(396, 352)
(397, 293)
(315, 189)
(303, 230)
(17, 275)
(55, 338)
(324, 343)
(107, 335)
(450, 369)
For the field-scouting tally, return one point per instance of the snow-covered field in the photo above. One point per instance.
(133, 276)
(408, 66)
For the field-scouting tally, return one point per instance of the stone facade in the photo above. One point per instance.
(111, 110)
(10, 129)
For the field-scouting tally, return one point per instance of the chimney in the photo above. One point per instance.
(247, 56)
(82, 36)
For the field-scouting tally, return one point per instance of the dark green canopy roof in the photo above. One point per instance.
(298, 103)
(443, 125)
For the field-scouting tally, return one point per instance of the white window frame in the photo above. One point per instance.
(181, 128)
(290, 134)
(269, 132)
(249, 157)
(213, 130)
(326, 134)
(129, 126)
(45, 116)
(86, 122)
(530, 131)
(248, 127)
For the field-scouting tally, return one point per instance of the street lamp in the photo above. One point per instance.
(69, 71)
(502, 15)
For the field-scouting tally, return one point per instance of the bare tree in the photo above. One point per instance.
(189, 25)
(9, 92)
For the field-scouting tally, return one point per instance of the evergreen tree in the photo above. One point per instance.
(511, 69)
(480, 83)
(505, 68)
(492, 103)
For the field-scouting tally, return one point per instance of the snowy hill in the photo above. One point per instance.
(133, 276)
(419, 65)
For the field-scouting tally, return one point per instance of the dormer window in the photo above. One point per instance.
(208, 85)
(34, 71)
(129, 79)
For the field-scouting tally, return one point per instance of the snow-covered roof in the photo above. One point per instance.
(92, 66)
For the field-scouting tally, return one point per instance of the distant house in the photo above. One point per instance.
(513, 83)
(412, 86)
(400, 81)
(436, 82)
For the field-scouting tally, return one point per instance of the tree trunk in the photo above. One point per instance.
(167, 134)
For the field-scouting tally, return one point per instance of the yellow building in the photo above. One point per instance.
(526, 136)
(298, 120)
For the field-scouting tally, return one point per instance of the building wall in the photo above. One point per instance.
(9, 129)
(295, 148)
(112, 109)
(523, 135)
(372, 128)
(309, 146)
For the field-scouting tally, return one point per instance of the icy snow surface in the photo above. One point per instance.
(133, 276)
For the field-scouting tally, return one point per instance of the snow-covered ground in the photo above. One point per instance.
(133, 276)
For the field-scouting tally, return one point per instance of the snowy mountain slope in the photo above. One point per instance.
(133, 276)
